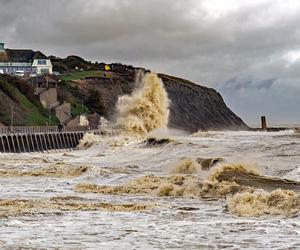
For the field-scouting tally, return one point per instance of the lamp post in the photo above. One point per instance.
(11, 116)
(49, 116)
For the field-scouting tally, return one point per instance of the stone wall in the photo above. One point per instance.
(63, 113)
(48, 98)
(74, 122)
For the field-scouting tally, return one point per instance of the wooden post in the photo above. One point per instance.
(263, 123)
(2, 147)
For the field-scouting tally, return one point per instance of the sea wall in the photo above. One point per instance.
(39, 142)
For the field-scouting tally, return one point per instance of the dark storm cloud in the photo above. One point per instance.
(236, 84)
(249, 50)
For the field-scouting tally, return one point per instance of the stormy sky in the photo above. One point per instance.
(248, 50)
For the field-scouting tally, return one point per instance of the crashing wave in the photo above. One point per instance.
(88, 140)
(57, 170)
(146, 109)
(173, 185)
(278, 202)
(59, 204)
(195, 165)
(242, 185)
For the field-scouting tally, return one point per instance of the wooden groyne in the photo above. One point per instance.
(46, 138)
(264, 127)
(274, 129)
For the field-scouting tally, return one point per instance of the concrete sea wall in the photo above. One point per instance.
(39, 142)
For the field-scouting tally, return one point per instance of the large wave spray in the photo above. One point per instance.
(146, 109)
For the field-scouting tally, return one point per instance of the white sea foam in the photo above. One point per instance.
(170, 220)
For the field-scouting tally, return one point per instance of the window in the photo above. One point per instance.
(44, 71)
(42, 62)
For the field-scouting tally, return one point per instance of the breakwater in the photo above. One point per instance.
(46, 138)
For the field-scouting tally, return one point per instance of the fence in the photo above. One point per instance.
(56, 129)
(42, 129)
(43, 139)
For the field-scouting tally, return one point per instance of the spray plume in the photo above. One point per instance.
(146, 109)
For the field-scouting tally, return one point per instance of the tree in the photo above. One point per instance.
(95, 102)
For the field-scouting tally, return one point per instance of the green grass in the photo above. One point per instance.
(5, 118)
(36, 115)
(36, 119)
(81, 74)
(16, 95)
(78, 109)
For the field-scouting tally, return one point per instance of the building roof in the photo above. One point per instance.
(20, 55)
(39, 55)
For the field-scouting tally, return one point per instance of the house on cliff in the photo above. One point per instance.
(23, 62)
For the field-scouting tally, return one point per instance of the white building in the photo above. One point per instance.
(24, 62)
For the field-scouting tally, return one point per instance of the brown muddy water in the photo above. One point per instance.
(210, 190)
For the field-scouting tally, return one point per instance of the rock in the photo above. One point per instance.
(195, 107)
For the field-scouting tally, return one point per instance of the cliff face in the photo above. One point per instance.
(193, 107)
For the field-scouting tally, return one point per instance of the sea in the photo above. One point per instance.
(127, 192)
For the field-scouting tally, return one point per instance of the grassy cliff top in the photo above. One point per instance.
(17, 96)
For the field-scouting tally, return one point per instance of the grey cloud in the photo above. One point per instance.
(236, 84)
(240, 52)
